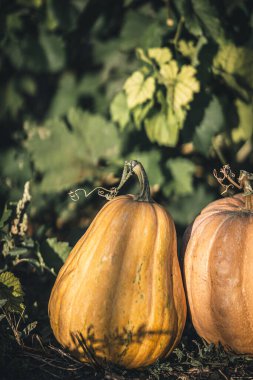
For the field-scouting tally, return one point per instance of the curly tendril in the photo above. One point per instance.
(109, 194)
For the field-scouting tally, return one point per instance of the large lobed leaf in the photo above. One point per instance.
(182, 171)
(65, 157)
(139, 89)
(234, 64)
(181, 84)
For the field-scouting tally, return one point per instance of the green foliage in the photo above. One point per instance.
(81, 146)
(55, 253)
(11, 293)
(182, 171)
(211, 124)
(234, 64)
(172, 87)
(244, 130)
(119, 111)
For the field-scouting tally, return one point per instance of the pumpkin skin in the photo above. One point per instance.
(218, 268)
(121, 287)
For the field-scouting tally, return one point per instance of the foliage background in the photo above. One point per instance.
(88, 84)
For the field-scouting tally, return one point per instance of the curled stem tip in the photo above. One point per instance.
(243, 182)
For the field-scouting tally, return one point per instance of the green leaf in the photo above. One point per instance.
(234, 64)
(210, 19)
(15, 170)
(43, 53)
(5, 216)
(55, 253)
(140, 30)
(3, 302)
(139, 89)
(201, 16)
(162, 130)
(160, 55)
(140, 113)
(54, 51)
(212, 123)
(11, 290)
(244, 131)
(28, 85)
(65, 97)
(182, 171)
(100, 137)
(61, 248)
(11, 100)
(119, 110)
(185, 8)
(90, 139)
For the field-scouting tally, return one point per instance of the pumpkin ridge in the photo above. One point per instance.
(245, 297)
(225, 334)
(82, 240)
(142, 329)
(150, 292)
(128, 221)
(219, 232)
(189, 272)
(167, 283)
(100, 242)
(68, 269)
(177, 298)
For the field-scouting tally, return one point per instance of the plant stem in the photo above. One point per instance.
(243, 183)
(139, 171)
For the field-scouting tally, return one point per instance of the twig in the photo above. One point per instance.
(223, 374)
(179, 30)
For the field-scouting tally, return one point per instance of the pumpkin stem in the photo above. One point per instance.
(130, 168)
(243, 183)
(139, 171)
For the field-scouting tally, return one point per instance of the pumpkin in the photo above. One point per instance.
(119, 296)
(218, 268)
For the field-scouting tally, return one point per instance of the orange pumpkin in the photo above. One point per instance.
(218, 271)
(120, 289)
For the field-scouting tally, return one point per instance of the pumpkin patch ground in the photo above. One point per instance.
(126, 189)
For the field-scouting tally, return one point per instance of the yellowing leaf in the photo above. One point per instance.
(142, 56)
(140, 113)
(186, 48)
(162, 130)
(181, 85)
(234, 64)
(139, 89)
(160, 55)
(244, 130)
(169, 73)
